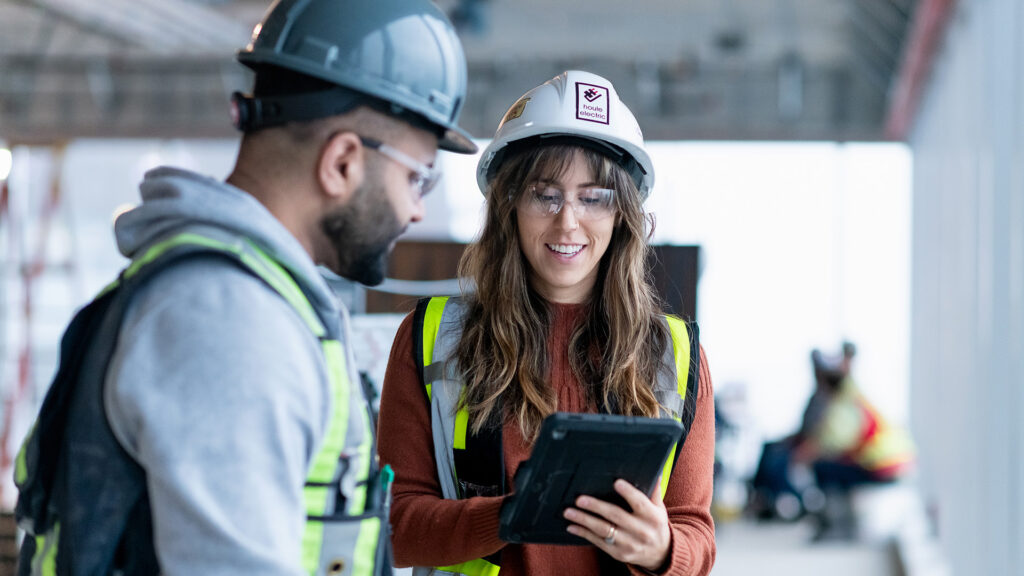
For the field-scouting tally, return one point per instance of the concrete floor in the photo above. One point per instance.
(746, 548)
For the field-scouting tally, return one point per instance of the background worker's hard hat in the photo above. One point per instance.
(404, 53)
(578, 106)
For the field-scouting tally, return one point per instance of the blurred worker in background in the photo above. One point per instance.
(207, 418)
(563, 319)
(849, 444)
(845, 442)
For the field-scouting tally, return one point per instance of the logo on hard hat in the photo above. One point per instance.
(516, 110)
(591, 103)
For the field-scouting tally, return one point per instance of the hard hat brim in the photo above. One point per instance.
(451, 137)
(457, 140)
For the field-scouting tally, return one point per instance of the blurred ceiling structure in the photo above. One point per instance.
(689, 69)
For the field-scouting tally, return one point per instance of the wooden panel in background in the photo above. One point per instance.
(415, 261)
(675, 274)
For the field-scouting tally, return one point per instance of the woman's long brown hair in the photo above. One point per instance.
(615, 352)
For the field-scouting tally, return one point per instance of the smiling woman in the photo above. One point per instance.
(563, 319)
(564, 244)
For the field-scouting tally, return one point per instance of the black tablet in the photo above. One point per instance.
(579, 454)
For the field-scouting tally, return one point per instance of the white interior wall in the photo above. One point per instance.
(802, 245)
(967, 331)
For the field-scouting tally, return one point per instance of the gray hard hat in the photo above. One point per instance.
(404, 53)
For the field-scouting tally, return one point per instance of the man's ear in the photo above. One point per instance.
(342, 165)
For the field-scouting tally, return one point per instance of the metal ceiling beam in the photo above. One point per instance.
(159, 26)
(878, 28)
(99, 97)
(904, 7)
(877, 75)
(882, 39)
(888, 14)
(188, 97)
(165, 70)
(883, 61)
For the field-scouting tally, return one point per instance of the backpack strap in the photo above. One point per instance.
(87, 347)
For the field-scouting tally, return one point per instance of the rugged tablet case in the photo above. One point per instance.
(579, 454)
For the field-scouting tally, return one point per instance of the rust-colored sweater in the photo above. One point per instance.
(432, 531)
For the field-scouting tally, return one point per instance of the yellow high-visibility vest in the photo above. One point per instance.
(437, 328)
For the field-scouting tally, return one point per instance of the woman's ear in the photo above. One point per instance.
(342, 165)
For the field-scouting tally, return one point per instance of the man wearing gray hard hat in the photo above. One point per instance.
(206, 417)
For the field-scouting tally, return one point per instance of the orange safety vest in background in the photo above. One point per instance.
(853, 429)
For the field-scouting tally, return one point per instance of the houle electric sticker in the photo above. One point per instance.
(591, 103)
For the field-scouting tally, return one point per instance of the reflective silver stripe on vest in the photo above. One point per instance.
(446, 387)
(666, 387)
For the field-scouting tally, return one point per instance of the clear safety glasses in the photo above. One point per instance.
(423, 177)
(589, 204)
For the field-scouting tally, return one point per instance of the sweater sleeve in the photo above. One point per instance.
(427, 529)
(688, 499)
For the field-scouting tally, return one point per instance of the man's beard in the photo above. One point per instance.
(362, 232)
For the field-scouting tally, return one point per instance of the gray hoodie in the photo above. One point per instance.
(217, 387)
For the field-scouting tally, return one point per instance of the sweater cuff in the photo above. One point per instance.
(485, 519)
(677, 561)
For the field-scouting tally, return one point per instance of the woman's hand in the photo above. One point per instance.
(641, 538)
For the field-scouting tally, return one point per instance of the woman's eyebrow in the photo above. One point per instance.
(553, 182)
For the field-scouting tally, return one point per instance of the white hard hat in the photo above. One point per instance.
(582, 107)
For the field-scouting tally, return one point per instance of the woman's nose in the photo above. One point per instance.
(566, 217)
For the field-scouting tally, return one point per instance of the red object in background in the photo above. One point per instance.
(29, 271)
(927, 31)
